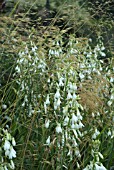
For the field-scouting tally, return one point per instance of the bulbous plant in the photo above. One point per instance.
(64, 99)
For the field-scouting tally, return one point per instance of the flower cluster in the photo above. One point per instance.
(30, 67)
(51, 84)
(7, 150)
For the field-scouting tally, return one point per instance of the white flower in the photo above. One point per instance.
(29, 56)
(47, 123)
(58, 128)
(100, 167)
(81, 76)
(69, 153)
(109, 102)
(17, 68)
(4, 106)
(102, 54)
(111, 80)
(47, 100)
(74, 87)
(95, 134)
(112, 96)
(48, 141)
(78, 113)
(80, 124)
(57, 94)
(77, 153)
(70, 86)
(73, 126)
(74, 118)
(34, 49)
(6, 145)
(45, 107)
(12, 153)
(109, 133)
(61, 81)
(102, 48)
(55, 106)
(13, 142)
(74, 96)
(51, 52)
(65, 109)
(69, 96)
(74, 142)
(66, 120)
(57, 103)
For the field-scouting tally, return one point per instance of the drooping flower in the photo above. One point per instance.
(58, 128)
(57, 94)
(13, 142)
(47, 100)
(80, 124)
(61, 83)
(47, 123)
(12, 153)
(69, 96)
(95, 134)
(4, 106)
(81, 76)
(66, 120)
(98, 167)
(48, 141)
(74, 96)
(74, 118)
(7, 145)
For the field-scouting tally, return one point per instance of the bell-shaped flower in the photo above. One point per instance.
(57, 103)
(77, 153)
(66, 121)
(47, 100)
(4, 106)
(78, 114)
(47, 123)
(74, 96)
(34, 49)
(80, 124)
(61, 82)
(12, 153)
(69, 96)
(57, 94)
(96, 133)
(58, 128)
(109, 133)
(81, 76)
(99, 167)
(6, 145)
(74, 118)
(13, 142)
(74, 87)
(48, 141)
(65, 109)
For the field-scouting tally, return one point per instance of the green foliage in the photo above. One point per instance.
(56, 94)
